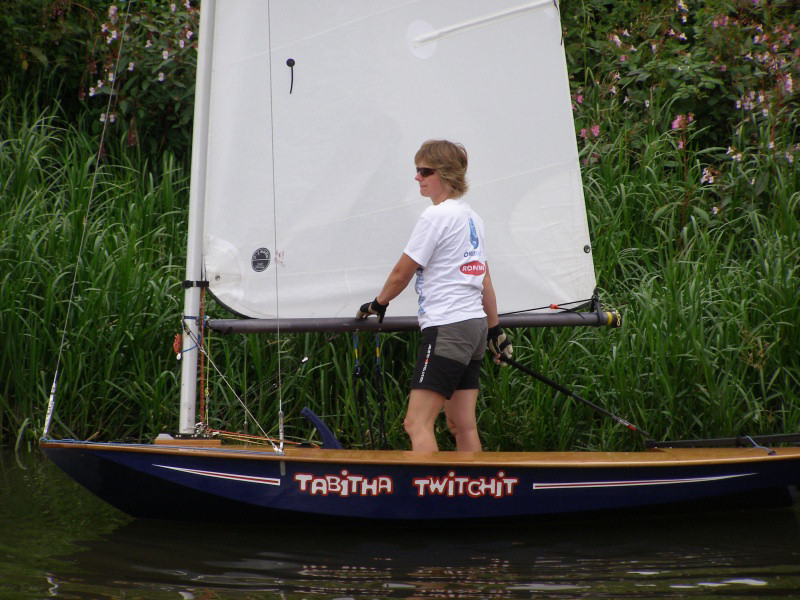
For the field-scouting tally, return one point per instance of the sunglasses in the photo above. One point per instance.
(425, 171)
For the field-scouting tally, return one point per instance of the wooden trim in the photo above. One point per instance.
(663, 457)
(192, 443)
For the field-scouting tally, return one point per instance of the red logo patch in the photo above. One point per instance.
(473, 268)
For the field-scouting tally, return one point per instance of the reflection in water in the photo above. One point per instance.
(739, 554)
(58, 541)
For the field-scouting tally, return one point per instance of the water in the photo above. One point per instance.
(58, 541)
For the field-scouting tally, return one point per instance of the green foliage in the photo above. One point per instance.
(690, 157)
(129, 63)
(140, 74)
(732, 65)
(44, 35)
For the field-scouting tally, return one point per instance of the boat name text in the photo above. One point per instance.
(344, 484)
(459, 485)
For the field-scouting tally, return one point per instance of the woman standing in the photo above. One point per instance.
(457, 304)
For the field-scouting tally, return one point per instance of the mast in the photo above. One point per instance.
(194, 253)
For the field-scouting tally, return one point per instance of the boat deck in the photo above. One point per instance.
(651, 457)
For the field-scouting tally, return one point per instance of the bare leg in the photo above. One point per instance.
(424, 407)
(460, 411)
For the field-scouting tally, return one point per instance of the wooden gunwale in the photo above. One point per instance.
(658, 457)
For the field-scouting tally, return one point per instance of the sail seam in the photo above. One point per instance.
(489, 19)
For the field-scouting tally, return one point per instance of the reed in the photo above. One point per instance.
(121, 254)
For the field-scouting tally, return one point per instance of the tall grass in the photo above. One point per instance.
(112, 367)
(706, 277)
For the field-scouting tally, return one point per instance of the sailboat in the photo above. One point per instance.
(307, 118)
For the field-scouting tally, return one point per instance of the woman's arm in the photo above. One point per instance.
(489, 300)
(398, 279)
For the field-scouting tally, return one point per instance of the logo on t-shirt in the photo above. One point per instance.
(473, 234)
(475, 267)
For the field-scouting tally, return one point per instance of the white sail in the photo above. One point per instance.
(310, 190)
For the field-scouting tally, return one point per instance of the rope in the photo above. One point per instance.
(51, 404)
(379, 387)
(254, 439)
(573, 306)
(359, 393)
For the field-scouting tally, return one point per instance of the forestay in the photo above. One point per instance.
(309, 190)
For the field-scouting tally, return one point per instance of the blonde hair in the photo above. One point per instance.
(449, 160)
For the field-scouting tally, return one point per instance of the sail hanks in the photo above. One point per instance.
(310, 192)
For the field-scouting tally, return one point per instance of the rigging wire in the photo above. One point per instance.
(275, 235)
(212, 365)
(112, 99)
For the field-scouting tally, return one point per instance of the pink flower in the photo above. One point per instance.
(584, 133)
(595, 130)
(721, 21)
(681, 121)
(623, 58)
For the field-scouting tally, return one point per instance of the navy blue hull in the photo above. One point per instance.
(189, 483)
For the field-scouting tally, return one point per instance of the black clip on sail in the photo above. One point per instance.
(290, 63)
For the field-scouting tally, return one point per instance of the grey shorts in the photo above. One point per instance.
(449, 357)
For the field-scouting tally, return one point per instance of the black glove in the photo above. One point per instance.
(499, 344)
(372, 308)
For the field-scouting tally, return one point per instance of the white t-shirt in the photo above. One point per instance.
(447, 242)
